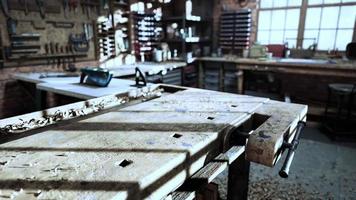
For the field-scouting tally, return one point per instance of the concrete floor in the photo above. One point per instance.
(322, 169)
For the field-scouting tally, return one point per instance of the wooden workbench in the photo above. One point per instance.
(70, 87)
(150, 68)
(302, 67)
(143, 149)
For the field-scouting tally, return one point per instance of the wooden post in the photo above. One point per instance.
(41, 98)
(240, 81)
(239, 172)
(221, 77)
(201, 74)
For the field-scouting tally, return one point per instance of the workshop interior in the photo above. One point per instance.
(177, 99)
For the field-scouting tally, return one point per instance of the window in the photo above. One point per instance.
(278, 22)
(328, 23)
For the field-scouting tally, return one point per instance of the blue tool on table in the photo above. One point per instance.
(96, 76)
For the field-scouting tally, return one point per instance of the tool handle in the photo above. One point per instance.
(284, 172)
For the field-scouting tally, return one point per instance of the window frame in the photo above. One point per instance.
(302, 18)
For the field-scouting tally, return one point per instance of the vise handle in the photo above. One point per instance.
(284, 172)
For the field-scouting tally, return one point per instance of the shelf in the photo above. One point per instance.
(181, 18)
(120, 4)
(181, 40)
(36, 57)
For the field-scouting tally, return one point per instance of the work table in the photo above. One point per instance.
(229, 72)
(134, 148)
(150, 68)
(286, 62)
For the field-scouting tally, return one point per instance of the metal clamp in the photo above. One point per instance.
(140, 78)
(284, 172)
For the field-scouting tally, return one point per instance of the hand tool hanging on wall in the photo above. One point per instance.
(73, 5)
(56, 47)
(61, 24)
(24, 3)
(79, 42)
(70, 65)
(41, 7)
(65, 8)
(5, 7)
(11, 26)
(51, 50)
(88, 30)
(85, 7)
(46, 47)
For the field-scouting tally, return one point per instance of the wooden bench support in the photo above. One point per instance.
(235, 160)
(181, 195)
(238, 179)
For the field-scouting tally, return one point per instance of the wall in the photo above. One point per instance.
(16, 98)
(50, 33)
(221, 5)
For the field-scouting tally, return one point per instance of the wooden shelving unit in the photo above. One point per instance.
(201, 32)
(184, 43)
(106, 35)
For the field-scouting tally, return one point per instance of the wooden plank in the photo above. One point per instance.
(50, 116)
(231, 155)
(61, 158)
(264, 144)
(181, 195)
(209, 172)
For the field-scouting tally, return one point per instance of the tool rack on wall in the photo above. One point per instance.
(30, 40)
(235, 31)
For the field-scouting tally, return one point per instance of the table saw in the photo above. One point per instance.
(160, 142)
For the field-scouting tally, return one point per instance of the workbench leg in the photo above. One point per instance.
(201, 74)
(41, 98)
(240, 81)
(239, 172)
(221, 77)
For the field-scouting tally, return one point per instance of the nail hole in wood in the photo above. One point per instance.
(176, 135)
(211, 118)
(125, 163)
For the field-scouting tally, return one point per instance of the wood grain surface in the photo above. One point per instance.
(143, 151)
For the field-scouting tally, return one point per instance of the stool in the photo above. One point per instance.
(341, 91)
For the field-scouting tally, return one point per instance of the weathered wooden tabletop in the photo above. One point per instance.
(146, 150)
